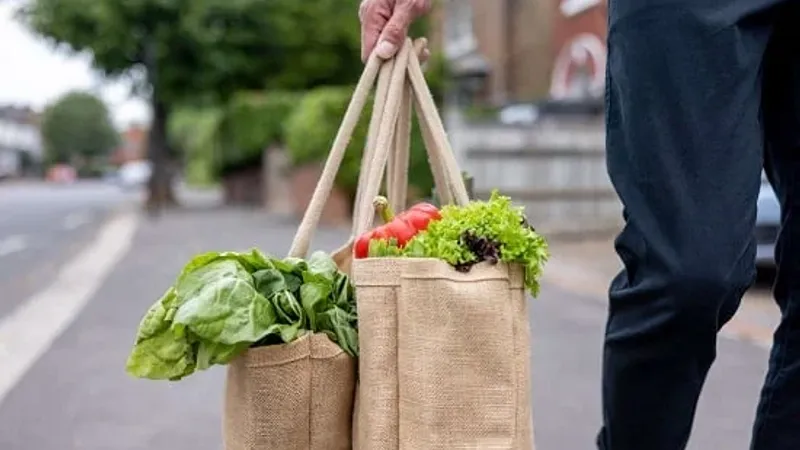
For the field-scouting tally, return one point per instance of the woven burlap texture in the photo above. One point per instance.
(445, 357)
(297, 396)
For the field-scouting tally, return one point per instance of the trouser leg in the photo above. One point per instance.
(684, 147)
(777, 424)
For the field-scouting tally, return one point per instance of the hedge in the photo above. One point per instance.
(195, 132)
(311, 128)
(252, 121)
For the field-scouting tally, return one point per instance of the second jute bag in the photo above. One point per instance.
(444, 356)
(299, 396)
(296, 396)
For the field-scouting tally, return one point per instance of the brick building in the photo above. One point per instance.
(579, 49)
(133, 146)
(20, 140)
(524, 49)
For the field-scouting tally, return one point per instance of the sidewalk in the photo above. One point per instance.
(587, 267)
(78, 389)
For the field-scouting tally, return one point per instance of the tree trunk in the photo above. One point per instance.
(160, 193)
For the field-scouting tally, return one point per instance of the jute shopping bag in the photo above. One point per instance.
(298, 396)
(293, 396)
(444, 355)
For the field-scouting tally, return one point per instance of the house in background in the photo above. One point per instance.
(133, 146)
(20, 141)
(503, 51)
(579, 49)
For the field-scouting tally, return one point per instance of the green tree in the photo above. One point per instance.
(202, 51)
(77, 128)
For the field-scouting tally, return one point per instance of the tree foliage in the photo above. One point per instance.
(252, 121)
(203, 51)
(77, 127)
(312, 127)
(195, 132)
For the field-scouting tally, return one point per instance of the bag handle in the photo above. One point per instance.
(401, 74)
(313, 214)
(383, 141)
(440, 155)
(397, 166)
(369, 149)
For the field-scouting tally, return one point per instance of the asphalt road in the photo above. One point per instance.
(42, 225)
(77, 396)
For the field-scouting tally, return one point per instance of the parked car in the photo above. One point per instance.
(134, 174)
(768, 222)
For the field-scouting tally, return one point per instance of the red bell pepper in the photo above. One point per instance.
(402, 228)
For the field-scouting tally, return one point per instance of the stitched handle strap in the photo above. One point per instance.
(311, 218)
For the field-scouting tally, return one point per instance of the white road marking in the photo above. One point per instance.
(29, 331)
(75, 220)
(13, 244)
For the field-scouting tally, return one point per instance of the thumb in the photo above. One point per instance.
(394, 33)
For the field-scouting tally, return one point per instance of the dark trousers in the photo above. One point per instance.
(701, 94)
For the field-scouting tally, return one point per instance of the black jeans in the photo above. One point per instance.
(701, 94)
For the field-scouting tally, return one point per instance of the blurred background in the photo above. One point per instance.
(136, 133)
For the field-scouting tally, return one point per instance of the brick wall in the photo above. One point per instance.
(514, 36)
(243, 187)
(303, 181)
(578, 36)
(532, 53)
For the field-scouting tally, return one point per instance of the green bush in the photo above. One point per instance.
(311, 129)
(194, 131)
(252, 121)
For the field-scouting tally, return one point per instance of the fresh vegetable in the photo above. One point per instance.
(224, 303)
(382, 248)
(491, 231)
(398, 229)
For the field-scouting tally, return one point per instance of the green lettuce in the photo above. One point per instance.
(225, 302)
(493, 230)
(160, 352)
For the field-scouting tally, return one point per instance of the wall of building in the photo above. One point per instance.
(555, 168)
(133, 145)
(512, 36)
(579, 48)
(531, 54)
(20, 139)
(534, 48)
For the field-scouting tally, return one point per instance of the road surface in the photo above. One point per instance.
(42, 225)
(74, 393)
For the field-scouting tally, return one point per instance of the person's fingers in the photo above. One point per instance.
(362, 8)
(425, 56)
(421, 49)
(396, 29)
(374, 15)
(384, 25)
